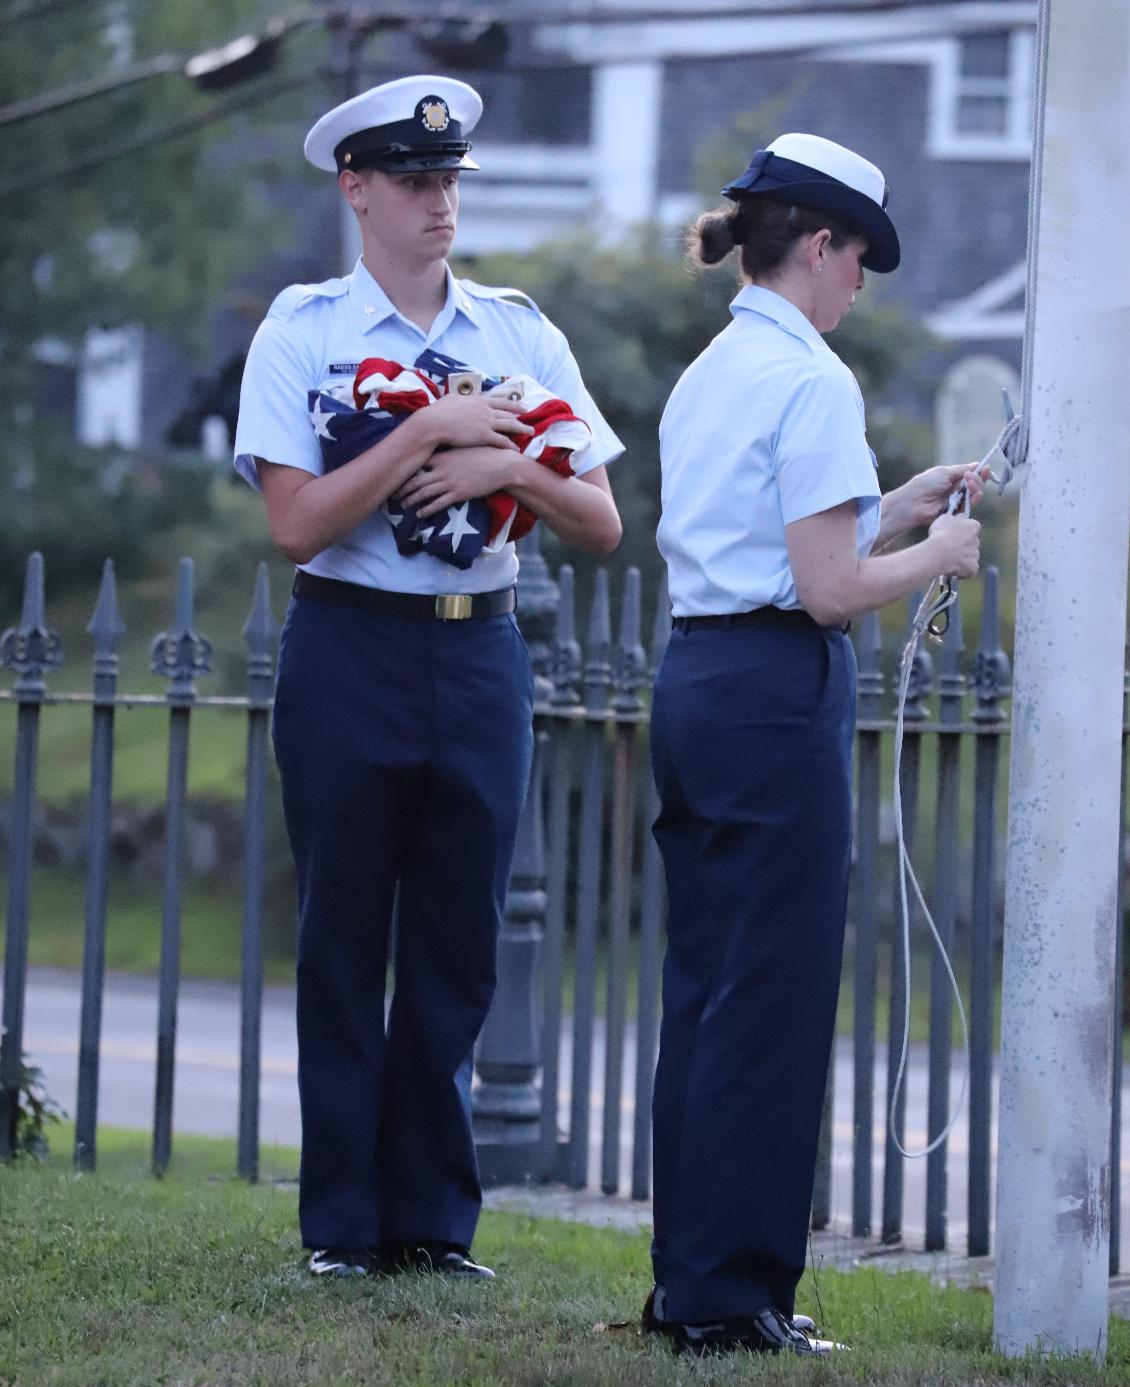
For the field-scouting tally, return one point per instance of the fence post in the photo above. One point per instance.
(951, 692)
(259, 633)
(537, 610)
(989, 681)
(507, 1107)
(563, 701)
(106, 629)
(29, 650)
(590, 844)
(179, 654)
(865, 912)
(651, 925)
(921, 681)
(626, 706)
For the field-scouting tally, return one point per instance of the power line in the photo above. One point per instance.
(359, 21)
(32, 106)
(43, 179)
(37, 9)
(242, 58)
(536, 17)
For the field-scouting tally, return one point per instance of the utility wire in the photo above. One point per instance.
(222, 110)
(606, 15)
(161, 65)
(358, 17)
(408, 16)
(61, 97)
(360, 20)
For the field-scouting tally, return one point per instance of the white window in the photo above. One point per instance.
(982, 96)
(108, 406)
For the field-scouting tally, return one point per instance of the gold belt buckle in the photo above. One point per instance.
(454, 606)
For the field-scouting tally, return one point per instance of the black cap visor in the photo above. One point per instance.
(411, 161)
(403, 146)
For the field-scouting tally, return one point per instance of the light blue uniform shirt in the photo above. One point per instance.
(764, 428)
(316, 335)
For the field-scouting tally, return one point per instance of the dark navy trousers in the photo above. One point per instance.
(751, 738)
(404, 749)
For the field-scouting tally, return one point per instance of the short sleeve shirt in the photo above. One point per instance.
(765, 427)
(315, 336)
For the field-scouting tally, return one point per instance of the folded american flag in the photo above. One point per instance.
(384, 393)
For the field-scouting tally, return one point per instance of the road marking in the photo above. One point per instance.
(146, 1052)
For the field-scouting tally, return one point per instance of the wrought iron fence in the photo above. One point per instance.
(565, 1063)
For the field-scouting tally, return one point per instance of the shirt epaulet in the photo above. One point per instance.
(516, 297)
(297, 296)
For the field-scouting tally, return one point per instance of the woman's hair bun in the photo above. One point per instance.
(713, 236)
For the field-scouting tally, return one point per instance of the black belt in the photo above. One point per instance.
(446, 606)
(760, 616)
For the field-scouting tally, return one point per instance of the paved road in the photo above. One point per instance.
(207, 1073)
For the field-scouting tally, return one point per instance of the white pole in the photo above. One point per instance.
(1053, 1177)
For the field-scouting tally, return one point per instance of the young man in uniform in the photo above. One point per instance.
(403, 709)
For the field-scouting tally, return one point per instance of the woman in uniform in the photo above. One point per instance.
(771, 508)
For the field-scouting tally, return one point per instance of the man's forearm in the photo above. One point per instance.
(309, 517)
(578, 509)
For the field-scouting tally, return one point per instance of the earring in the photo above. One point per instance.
(820, 268)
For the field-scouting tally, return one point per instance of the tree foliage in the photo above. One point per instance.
(636, 314)
(153, 237)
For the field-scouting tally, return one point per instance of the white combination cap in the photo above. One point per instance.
(810, 171)
(410, 125)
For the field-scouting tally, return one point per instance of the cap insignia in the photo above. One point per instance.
(433, 114)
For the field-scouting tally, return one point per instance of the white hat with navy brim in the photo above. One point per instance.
(811, 171)
(410, 125)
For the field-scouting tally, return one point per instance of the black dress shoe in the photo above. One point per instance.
(441, 1258)
(345, 1261)
(768, 1331)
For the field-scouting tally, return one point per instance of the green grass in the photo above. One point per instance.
(211, 922)
(198, 1279)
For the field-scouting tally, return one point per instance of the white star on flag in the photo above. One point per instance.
(458, 525)
(320, 419)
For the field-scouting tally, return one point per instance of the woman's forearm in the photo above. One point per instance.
(897, 514)
(834, 584)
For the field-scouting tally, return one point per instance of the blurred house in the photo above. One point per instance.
(603, 114)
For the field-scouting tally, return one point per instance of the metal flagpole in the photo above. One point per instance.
(1053, 1176)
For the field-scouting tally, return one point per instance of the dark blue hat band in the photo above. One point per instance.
(805, 186)
(398, 142)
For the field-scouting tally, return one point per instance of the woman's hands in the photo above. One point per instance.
(458, 474)
(927, 495)
(956, 540)
(922, 499)
(473, 421)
